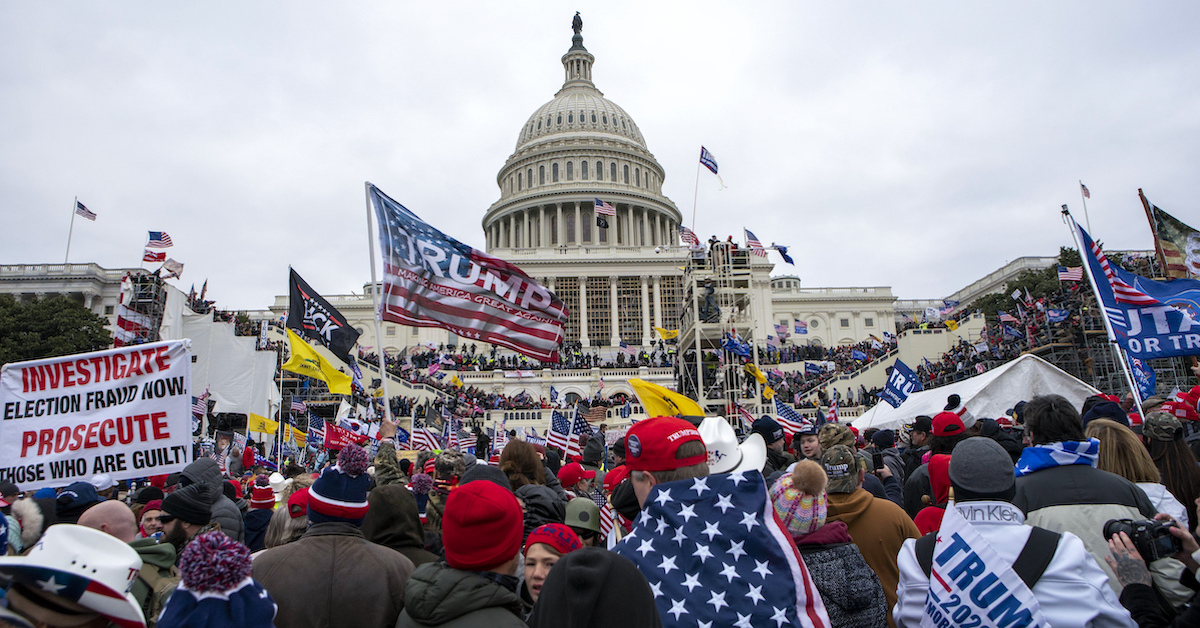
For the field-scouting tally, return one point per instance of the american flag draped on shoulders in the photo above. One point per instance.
(715, 555)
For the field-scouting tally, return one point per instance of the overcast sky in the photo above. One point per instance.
(912, 145)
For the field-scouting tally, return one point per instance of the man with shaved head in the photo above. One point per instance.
(158, 576)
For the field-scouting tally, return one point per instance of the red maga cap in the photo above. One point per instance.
(948, 424)
(650, 445)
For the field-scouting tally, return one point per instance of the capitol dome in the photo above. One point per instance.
(578, 148)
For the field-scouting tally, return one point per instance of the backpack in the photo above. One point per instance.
(1030, 564)
(161, 587)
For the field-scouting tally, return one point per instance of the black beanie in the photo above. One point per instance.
(595, 587)
(192, 503)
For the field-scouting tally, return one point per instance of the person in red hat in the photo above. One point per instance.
(946, 432)
(663, 449)
(482, 530)
(545, 545)
(575, 479)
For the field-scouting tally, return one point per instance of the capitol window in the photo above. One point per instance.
(844, 322)
(570, 118)
(554, 173)
(583, 170)
(560, 118)
(612, 171)
(604, 118)
(814, 323)
(637, 177)
(541, 175)
(599, 171)
(626, 175)
(593, 117)
(518, 182)
(529, 176)
(539, 125)
(869, 322)
(570, 171)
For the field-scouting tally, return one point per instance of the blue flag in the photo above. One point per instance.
(782, 250)
(1012, 332)
(553, 395)
(901, 383)
(736, 346)
(1143, 376)
(855, 354)
(812, 368)
(1057, 316)
(1149, 319)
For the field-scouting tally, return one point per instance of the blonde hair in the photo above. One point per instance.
(1122, 452)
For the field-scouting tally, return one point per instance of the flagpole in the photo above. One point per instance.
(72, 230)
(1083, 198)
(383, 374)
(1087, 268)
(279, 370)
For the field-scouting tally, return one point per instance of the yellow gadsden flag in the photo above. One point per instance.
(667, 334)
(659, 401)
(455, 381)
(951, 324)
(757, 374)
(261, 424)
(306, 361)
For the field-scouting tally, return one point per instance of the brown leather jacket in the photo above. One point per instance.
(332, 576)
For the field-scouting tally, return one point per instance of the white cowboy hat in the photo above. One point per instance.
(85, 566)
(724, 453)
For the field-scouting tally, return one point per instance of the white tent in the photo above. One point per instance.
(986, 396)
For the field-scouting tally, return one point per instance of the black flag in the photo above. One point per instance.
(313, 317)
(601, 222)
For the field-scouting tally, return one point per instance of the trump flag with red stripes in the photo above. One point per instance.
(433, 280)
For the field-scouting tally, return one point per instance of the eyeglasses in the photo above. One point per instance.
(165, 519)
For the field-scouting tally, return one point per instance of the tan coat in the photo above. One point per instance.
(332, 576)
(879, 529)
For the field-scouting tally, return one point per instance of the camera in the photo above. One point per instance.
(1151, 538)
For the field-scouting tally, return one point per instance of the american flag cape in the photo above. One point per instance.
(433, 280)
(715, 554)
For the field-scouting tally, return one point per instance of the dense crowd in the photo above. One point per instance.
(1075, 515)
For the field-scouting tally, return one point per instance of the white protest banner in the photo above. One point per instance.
(125, 412)
(972, 585)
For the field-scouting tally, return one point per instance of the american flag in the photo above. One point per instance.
(688, 237)
(560, 431)
(471, 293)
(832, 417)
(1122, 291)
(1083, 188)
(133, 328)
(1005, 317)
(82, 210)
(756, 576)
(424, 440)
(159, 240)
(746, 418)
(200, 404)
(501, 438)
(625, 348)
(605, 209)
(316, 427)
(753, 242)
(801, 327)
(299, 406)
(772, 341)
(606, 519)
(450, 434)
(151, 256)
(789, 418)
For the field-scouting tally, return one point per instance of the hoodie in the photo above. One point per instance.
(392, 521)
(879, 529)
(224, 511)
(542, 505)
(160, 557)
(437, 595)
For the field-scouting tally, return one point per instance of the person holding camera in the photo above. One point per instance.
(1147, 606)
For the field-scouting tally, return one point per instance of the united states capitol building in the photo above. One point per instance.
(619, 282)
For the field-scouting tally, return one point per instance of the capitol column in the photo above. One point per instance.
(658, 239)
(512, 230)
(645, 313)
(583, 317)
(578, 230)
(612, 311)
(658, 320)
(558, 225)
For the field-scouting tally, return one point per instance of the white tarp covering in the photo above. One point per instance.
(241, 379)
(986, 396)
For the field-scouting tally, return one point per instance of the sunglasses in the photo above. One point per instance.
(165, 519)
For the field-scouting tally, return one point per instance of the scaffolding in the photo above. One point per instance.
(717, 304)
(145, 300)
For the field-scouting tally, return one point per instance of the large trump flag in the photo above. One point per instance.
(433, 280)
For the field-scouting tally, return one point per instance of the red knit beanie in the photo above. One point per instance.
(482, 526)
(556, 535)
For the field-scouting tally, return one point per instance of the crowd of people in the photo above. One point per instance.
(1054, 514)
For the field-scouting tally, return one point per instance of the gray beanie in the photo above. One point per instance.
(980, 465)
